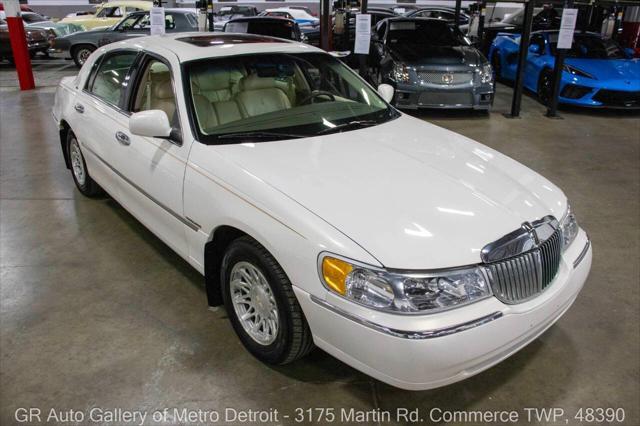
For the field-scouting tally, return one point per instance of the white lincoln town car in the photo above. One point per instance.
(318, 214)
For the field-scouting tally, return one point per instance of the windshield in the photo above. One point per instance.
(282, 95)
(31, 17)
(275, 28)
(590, 47)
(110, 12)
(425, 33)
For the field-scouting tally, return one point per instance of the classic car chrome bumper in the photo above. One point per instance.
(420, 352)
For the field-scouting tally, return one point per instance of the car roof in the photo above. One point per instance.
(262, 19)
(190, 46)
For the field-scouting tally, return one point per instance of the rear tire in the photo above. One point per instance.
(261, 305)
(81, 53)
(85, 184)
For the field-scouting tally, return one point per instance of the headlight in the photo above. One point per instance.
(400, 73)
(486, 73)
(575, 71)
(569, 227)
(401, 292)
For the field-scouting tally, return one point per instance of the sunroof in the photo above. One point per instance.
(221, 39)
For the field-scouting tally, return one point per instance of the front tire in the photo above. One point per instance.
(85, 184)
(545, 86)
(261, 304)
(497, 66)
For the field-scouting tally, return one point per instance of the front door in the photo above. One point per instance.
(152, 167)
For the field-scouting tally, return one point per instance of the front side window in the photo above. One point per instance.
(111, 76)
(279, 96)
(155, 91)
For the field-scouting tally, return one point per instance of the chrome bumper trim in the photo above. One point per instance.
(412, 335)
(582, 254)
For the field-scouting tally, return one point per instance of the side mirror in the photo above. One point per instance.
(386, 91)
(535, 49)
(153, 123)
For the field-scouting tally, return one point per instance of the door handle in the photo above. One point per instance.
(123, 138)
(79, 108)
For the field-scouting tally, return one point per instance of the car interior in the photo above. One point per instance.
(230, 93)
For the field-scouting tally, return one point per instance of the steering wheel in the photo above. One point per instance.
(316, 94)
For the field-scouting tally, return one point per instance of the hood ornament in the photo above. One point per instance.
(526, 238)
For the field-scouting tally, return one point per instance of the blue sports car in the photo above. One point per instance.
(597, 71)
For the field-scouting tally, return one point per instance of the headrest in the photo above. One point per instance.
(161, 86)
(253, 82)
(206, 80)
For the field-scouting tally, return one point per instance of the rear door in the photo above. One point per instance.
(98, 111)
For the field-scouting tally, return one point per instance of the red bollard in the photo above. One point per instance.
(20, 52)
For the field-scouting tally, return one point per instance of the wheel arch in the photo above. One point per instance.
(214, 250)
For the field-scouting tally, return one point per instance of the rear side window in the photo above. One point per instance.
(109, 81)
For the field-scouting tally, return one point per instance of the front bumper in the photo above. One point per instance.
(414, 97)
(598, 96)
(59, 53)
(418, 352)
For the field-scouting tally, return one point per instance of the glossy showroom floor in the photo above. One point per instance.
(96, 311)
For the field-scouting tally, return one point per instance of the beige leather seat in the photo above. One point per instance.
(261, 95)
(216, 85)
(207, 118)
(162, 96)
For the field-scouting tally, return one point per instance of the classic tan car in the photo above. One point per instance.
(108, 14)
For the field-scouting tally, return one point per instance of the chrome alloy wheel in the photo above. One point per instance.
(77, 164)
(254, 303)
(83, 55)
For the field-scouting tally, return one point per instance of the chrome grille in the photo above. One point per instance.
(522, 277)
(438, 77)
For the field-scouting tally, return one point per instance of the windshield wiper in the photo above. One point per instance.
(259, 135)
(355, 124)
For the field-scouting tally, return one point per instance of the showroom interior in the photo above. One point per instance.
(104, 320)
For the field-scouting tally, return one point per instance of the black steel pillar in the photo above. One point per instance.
(522, 59)
(552, 108)
(458, 7)
(325, 23)
(482, 9)
(210, 14)
(362, 59)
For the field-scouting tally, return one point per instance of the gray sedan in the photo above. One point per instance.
(80, 45)
(431, 64)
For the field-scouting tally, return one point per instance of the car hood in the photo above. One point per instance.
(418, 55)
(610, 69)
(412, 194)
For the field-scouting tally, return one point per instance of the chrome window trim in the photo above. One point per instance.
(404, 334)
(582, 254)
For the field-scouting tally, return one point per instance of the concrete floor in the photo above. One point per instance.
(97, 312)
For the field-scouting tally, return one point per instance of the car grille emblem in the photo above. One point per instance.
(447, 78)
